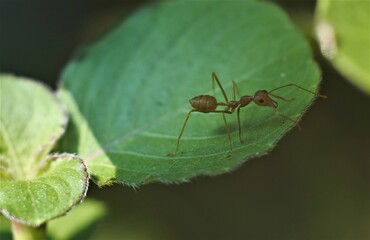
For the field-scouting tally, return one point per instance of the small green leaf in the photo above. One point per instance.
(5, 228)
(51, 194)
(78, 224)
(128, 93)
(31, 121)
(343, 30)
(35, 187)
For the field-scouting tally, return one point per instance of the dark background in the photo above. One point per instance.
(313, 185)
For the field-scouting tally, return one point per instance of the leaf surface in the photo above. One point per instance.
(128, 92)
(49, 195)
(80, 223)
(34, 186)
(31, 121)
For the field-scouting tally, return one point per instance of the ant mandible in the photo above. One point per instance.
(208, 104)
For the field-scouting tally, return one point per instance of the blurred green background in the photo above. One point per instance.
(314, 185)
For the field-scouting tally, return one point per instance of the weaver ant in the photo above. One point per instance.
(208, 104)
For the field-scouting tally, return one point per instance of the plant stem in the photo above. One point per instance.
(24, 232)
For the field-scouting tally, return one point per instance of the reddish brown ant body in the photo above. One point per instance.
(209, 104)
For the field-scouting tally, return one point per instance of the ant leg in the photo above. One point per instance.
(215, 78)
(235, 90)
(186, 120)
(226, 125)
(240, 131)
(183, 128)
(290, 119)
(228, 133)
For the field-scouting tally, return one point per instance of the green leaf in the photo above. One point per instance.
(30, 123)
(5, 228)
(51, 194)
(35, 187)
(343, 30)
(80, 223)
(128, 92)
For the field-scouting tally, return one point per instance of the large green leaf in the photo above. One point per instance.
(128, 92)
(343, 29)
(35, 187)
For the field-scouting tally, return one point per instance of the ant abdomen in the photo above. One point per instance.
(204, 103)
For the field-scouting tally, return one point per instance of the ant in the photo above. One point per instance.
(209, 104)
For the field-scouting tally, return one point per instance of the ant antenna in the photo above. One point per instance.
(281, 98)
(288, 100)
(294, 85)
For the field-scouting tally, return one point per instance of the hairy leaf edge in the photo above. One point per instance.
(82, 196)
(57, 133)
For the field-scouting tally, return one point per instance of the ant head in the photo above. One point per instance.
(262, 98)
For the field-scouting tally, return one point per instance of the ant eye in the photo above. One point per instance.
(261, 100)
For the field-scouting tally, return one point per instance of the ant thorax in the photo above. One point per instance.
(245, 100)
